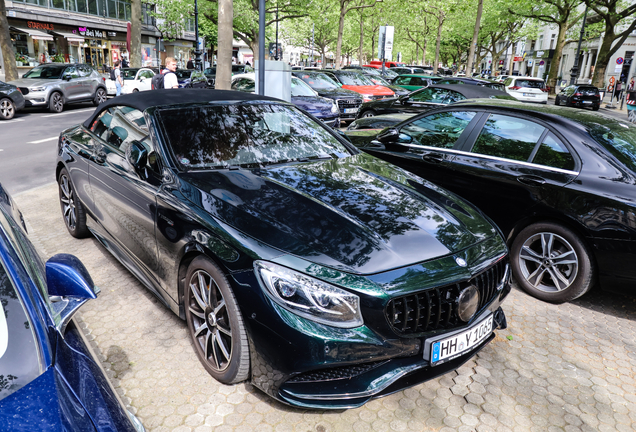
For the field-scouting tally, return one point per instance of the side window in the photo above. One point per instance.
(437, 130)
(402, 80)
(71, 71)
(508, 81)
(119, 126)
(453, 96)
(508, 137)
(84, 71)
(553, 153)
(425, 95)
(147, 74)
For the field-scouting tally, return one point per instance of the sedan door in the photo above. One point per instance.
(125, 203)
(511, 167)
(72, 84)
(144, 77)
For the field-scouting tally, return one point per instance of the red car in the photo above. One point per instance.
(353, 80)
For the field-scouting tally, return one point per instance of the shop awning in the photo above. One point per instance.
(35, 34)
(71, 37)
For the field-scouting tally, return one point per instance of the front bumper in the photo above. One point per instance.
(311, 365)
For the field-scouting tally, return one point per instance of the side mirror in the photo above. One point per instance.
(137, 155)
(67, 77)
(142, 79)
(343, 135)
(389, 136)
(69, 285)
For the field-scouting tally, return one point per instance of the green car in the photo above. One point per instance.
(414, 81)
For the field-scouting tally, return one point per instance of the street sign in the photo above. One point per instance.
(620, 60)
(386, 41)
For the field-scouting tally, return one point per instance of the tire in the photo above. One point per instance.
(596, 107)
(7, 109)
(215, 324)
(56, 102)
(135, 90)
(368, 113)
(556, 100)
(72, 209)
(100, 96)
(536, 268)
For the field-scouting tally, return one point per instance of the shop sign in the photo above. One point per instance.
(111, 34)
(39, 26)
(518, 59)
(85, 31)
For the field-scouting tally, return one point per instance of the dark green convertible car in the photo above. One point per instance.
(321, 274)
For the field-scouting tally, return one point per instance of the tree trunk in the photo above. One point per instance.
(224, 53)
(438, 42)
(556, 60)
(361, 40)
(254, 47)
(8, 55)
(340, 32)
(471, 53)
(135, 34)
(603, 57)
(424, 52)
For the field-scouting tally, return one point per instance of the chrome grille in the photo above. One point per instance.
(436, 309)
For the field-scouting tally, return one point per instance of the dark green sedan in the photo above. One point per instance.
(321, 274)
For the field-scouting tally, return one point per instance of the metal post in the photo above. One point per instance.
(261, 47)
(383, 46)
(276, 46)
(574, 74)
(312, 44)
(197, 51)
(629, 73)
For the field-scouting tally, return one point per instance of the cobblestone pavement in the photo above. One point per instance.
(556, 368)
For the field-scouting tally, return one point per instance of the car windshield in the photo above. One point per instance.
(245, 135)
(619, 139)
(46, 72)
(391, 74)
(354, 79)
(370, 71)
(299, 88)
(183, 73)
(318, 81)
(529, 83)
(19, 359)
(129, 74)
(378, 80)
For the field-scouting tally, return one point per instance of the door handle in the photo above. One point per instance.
(433, 158)
(531, 180)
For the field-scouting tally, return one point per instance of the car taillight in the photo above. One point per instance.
(104, 80)
(545, 90)
(578, 94)
(515, 88)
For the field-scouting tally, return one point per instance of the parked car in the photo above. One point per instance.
(558, 182)
(191, 78)
(348, 101)
(580, 96)
(135, 79)
(413, 82)
(11, 100)
(283, 247)
(378, 80)
(387, 64)
(49, 378)
(527, 89)
(428, 98)
(388, 74)
(53, 85)
(378, 122)
(361, 84)
(210, 73)
(302, 96)
(473, 81)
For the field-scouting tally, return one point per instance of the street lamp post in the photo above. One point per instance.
(276, 46)
(574, 74)
(312, 45)
(197, 51)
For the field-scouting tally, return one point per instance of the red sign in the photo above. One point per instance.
(518, 59)
(40, 26)
(620, 60)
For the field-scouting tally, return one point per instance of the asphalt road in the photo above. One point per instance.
(28, 145)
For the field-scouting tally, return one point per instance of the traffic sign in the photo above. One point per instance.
(620, 60)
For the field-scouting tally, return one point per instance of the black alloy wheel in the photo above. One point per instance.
(551, 263)
(72, 209)
(7, 109)
(215, 323)
(56, 102)
(100, 96)
(368, 113)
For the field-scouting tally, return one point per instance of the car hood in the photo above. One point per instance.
(339, 93)
(375, 90)
(33, 82)
(46, 404)
(357, 214)
(316, 105)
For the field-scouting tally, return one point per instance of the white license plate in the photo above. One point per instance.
(350, 110)
(454, 346)
(587, 102)
(529, 94)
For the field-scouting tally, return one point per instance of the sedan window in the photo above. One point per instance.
(508, 137)
(245, 135)
(436, 95)
(119, 126)
(71, 71)
(553, 153)
(437, 130)
(47, 72)
(619, 141)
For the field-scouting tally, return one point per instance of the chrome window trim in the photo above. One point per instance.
(465, 153)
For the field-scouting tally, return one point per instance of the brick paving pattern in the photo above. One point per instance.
(569, 367)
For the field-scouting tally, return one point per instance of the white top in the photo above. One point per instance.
(118, 75)
(170, 81)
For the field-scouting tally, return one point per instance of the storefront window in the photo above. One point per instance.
(20, 43)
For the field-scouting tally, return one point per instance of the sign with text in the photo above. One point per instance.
(39, 26)
(386, 42)
(85, 31)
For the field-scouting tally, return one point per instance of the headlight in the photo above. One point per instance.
(308, 297)
(37, 89)
(367, 98)
(334, 108)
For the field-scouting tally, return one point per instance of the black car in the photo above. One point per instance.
(558, 182)
(428, 98)
(11, 100)
(191, 78)
(348, 101)
(378, 122)
(580, 96)
(322, 274)
(495, 85)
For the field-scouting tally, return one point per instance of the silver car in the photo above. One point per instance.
(54, 85)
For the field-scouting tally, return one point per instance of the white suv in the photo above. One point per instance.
(527, 89)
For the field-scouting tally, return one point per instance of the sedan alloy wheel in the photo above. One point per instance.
(72, 208)
(7, 109)
(56, 103)
(100, 96)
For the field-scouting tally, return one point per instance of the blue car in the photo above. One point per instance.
(49, 379)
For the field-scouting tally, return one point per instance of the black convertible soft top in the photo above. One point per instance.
(153, 98)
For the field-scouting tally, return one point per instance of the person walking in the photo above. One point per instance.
(170, 77)
(190, 64)
(619, 90)
(119, 81)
